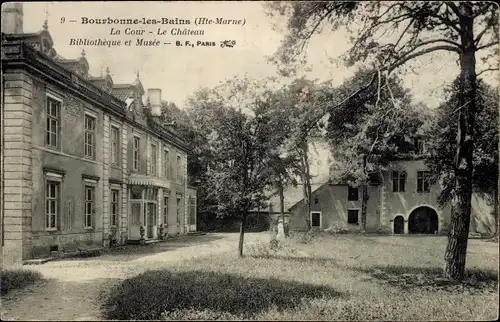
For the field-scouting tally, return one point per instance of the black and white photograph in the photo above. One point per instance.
(250, 160)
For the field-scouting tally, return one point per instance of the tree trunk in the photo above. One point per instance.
(307, 186)
(282, 203)
(364, 200)
(495, 206)
(458, 232)
(306, 179)
(242, 233)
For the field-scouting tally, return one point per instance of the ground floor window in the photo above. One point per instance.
(165, 211)
(52, 204)
(115, 202)
(179, 199)
(192, 210)
(352, 216)
(315, 219)
(89, 210)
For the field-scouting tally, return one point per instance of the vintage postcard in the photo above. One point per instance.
(249, 160)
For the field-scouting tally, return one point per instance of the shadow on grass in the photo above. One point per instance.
(297, 259)
(150, 294)
(431, 278)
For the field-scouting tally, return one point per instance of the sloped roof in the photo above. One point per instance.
(300, 196)
(121, 93)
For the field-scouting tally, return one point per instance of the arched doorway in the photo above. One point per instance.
(423, 220)
(399, 225)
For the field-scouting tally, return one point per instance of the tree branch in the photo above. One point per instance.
(408, 57)
(487, 70)
(309, 35)
(403, 33)
(389, 69)
(454, 8)
(457, 47)
(448, 22)
(386, 11)
(487, 45)
(482, 10)
(489, 24)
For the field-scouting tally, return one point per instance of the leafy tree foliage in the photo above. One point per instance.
(372, 129)
(237, 133)
(419, 28)
(441, 138)
(295, 102)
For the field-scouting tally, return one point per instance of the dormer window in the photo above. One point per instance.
(107, 86)
(419, 146)
(46, 46)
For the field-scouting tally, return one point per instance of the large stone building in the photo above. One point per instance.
(84, 160)
(401, 201)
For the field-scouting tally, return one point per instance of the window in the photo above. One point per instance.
(352, 216)
(398, 181)
(165, 211)
(136, 192)
(115, 201)
(166, 164)
(179, 169)
(115, 143)
(352, 193)
(420, 146)
(135, 208)
(178, 210)
(423, 184)
(53, 122)
(52, 204)
(137, 146)
(89, 206)
(154, 159)
(192, 210)
(90, 142)
(315, 219)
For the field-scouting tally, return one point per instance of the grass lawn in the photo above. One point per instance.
(342, 277)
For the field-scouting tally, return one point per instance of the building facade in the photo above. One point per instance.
(84, 160)
(403, 202)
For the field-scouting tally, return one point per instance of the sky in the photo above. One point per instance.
(180, 71)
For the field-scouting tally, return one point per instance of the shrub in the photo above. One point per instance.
(15, 279)
(273, 249)
(302, 237)
(336, 230)
(203, 295)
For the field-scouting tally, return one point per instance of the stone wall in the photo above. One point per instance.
(17, 189)
(332, 202)
(75, 170)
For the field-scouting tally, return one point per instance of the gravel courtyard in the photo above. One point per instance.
(74, 288)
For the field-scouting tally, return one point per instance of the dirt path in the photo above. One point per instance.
(74, 288)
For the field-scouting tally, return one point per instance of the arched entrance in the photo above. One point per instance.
(423, 220)
(399, 225)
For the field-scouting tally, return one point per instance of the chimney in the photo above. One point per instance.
(154, 96)
(12, 18)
